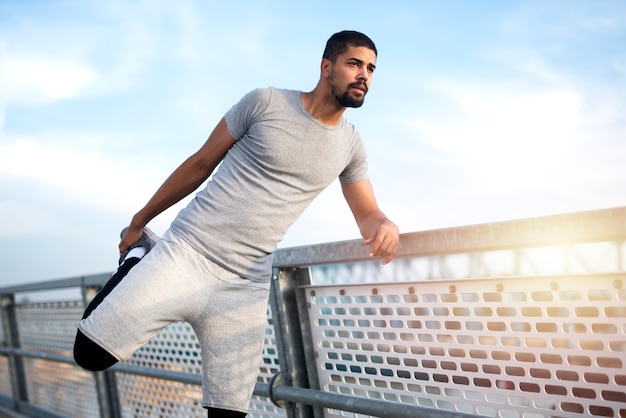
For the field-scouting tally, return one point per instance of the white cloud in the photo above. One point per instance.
(508, 137)
(65, 58)
(86, 176)
(526, 145)
(30, 79)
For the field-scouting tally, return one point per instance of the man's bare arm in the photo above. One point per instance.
(183, 181)
(378, 231)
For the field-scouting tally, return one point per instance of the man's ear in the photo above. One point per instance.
(326, 68)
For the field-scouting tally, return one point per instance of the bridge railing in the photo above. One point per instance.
(524, 318)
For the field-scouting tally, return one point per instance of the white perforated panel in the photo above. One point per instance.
(148, 397)
(515, 347)
(49, 327)
(65, 388)
(61, 387)
(175, 349)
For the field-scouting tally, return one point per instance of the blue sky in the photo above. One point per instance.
(479, 111)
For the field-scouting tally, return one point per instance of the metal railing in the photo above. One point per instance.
(525, 318)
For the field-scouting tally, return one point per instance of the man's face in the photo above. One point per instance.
(351, 75)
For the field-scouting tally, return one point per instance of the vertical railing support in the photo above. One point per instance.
(10, 326)
(293, 333)
(106, 385)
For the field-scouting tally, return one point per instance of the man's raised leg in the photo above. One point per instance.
(88, 354)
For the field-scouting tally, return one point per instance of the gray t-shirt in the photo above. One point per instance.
(282, 159)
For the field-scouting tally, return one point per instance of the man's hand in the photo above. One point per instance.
(383, 237)
(131, 236)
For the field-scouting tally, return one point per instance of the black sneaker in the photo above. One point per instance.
(147, 241)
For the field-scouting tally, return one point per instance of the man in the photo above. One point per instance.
(278, 150)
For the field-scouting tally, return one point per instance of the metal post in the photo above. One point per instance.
(308, 344)
(109, 400)
(287, 327)
(16, 362)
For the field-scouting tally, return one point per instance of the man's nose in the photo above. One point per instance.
(363, 74)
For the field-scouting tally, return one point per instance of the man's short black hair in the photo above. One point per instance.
(340, 41)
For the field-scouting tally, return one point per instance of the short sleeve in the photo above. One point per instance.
(357, 168)
(243, 114)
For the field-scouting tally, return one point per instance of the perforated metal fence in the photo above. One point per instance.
(515, 319)
(49, 328)
(514, 347)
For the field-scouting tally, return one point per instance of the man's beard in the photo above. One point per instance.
(346, 100)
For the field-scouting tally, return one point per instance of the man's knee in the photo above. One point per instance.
(90, 355)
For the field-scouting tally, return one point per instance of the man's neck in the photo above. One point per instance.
(322, 107)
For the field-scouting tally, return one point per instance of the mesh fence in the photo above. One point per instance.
(540, 347)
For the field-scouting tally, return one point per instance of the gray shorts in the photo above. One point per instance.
(174, 283)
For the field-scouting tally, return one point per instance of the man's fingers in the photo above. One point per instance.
(384, 242)
(374, 246)
(383, 246)
(129, 238)
(391, 251)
